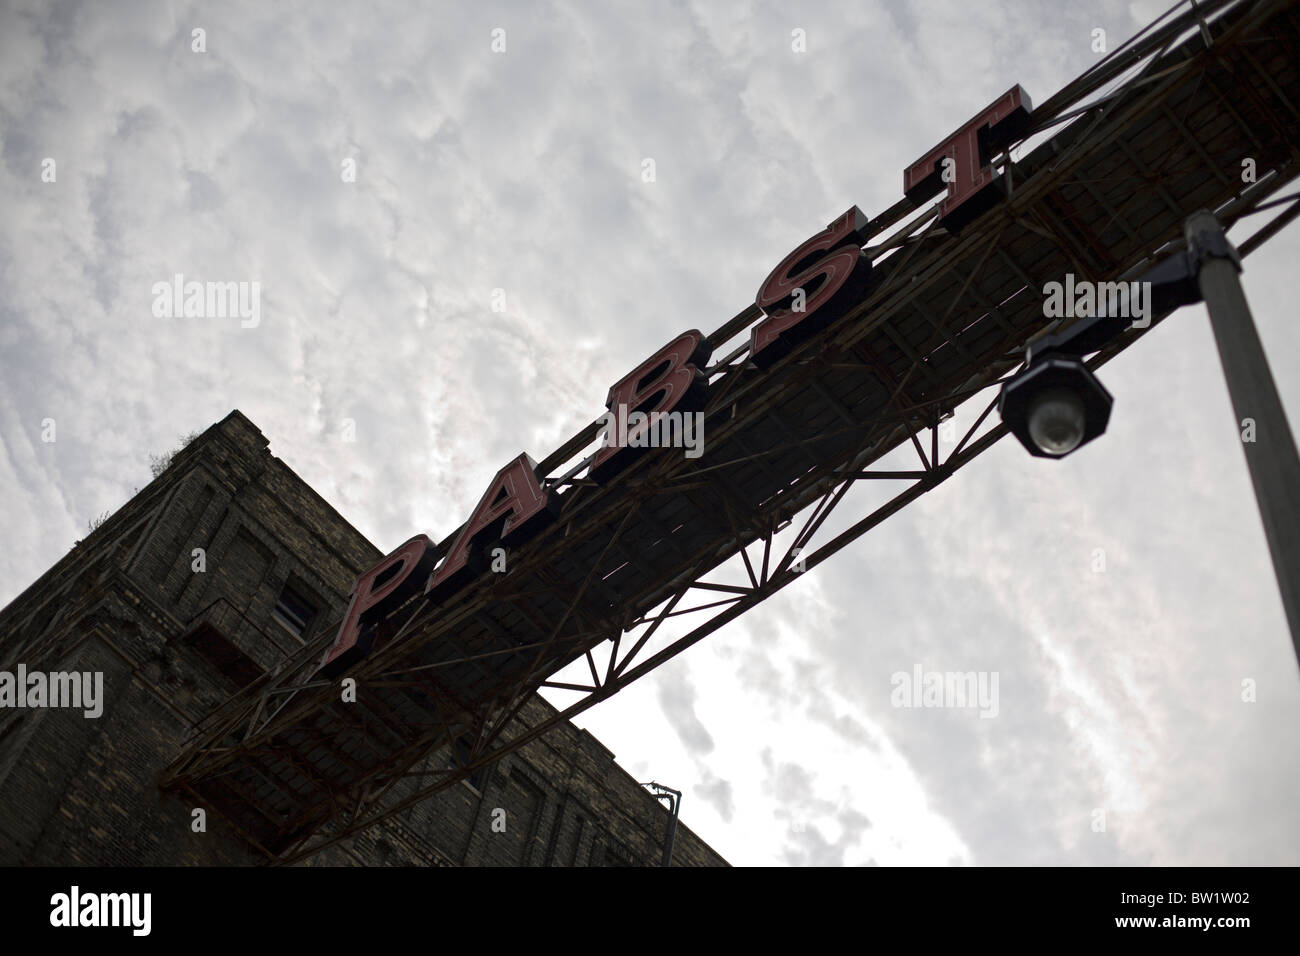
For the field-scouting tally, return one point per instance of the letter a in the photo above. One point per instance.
(513, 509)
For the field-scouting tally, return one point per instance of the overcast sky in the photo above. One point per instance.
(521, 171)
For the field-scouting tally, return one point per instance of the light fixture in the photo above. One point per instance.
(1055, 406)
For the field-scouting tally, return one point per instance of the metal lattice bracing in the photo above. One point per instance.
(636, 570)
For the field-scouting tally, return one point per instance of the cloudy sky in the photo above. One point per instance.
(521, 170)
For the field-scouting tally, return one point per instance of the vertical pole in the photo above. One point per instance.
(674, 800)
(672, 827)
(1272, 459)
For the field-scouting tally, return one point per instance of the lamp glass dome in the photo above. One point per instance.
(1056, 420)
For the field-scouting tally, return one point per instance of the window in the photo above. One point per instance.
(219, 651)
(460, 751)
(616, 854)
(293, 611)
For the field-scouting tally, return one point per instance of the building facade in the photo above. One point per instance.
(208, 578)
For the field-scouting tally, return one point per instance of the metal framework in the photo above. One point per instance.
(636, 571)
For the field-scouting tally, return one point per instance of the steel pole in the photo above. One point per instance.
(1271, 456)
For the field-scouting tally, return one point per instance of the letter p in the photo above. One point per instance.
(379, 590)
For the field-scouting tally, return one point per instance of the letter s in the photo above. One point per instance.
(839, 274)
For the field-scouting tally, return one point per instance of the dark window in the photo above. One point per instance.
(460, 756)
(616, 854)
(293, 611)
(218, 650)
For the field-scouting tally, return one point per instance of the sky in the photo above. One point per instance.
(389, 172)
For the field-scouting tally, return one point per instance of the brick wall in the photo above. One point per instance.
(173, 643)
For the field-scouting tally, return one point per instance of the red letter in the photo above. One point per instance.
(845, 271)
(971, 184)
(513, 509)
(669, 380)
(381, 589)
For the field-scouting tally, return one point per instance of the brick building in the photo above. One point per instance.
(172, 642)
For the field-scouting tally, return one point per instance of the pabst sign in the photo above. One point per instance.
(807, 290)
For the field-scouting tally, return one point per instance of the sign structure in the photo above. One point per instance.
(579, 573)
(810, 288)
